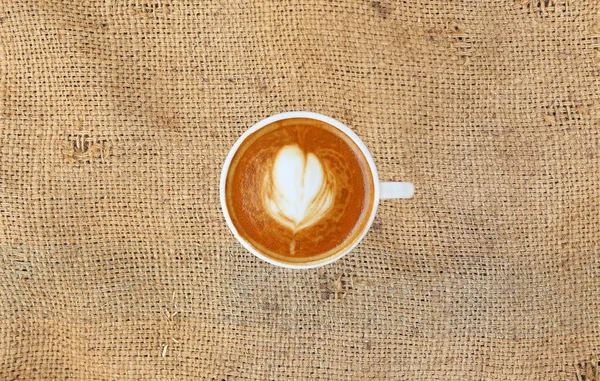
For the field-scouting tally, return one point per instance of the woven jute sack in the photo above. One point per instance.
(116, 262)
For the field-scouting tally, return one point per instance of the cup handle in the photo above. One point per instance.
(396, 190)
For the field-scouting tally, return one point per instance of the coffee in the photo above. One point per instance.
(299, 190)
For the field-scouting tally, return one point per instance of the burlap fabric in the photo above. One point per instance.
(116, 262)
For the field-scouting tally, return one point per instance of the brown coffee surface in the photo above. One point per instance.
(336, 215)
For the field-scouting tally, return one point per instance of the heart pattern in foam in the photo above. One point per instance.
(296, 190)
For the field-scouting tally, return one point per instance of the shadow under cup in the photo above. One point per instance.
(299, 190)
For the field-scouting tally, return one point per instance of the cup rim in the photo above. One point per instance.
(289, 115)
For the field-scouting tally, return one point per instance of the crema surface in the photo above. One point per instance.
(299, 189)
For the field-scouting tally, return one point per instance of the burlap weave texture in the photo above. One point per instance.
(116, 262)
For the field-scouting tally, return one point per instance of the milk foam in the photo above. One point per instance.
(295, 191)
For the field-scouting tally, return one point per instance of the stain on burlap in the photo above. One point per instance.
(115, 260)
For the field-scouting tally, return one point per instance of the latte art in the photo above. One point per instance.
(296, 192)
(299, 189)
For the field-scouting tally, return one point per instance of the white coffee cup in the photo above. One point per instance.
(382, 190)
